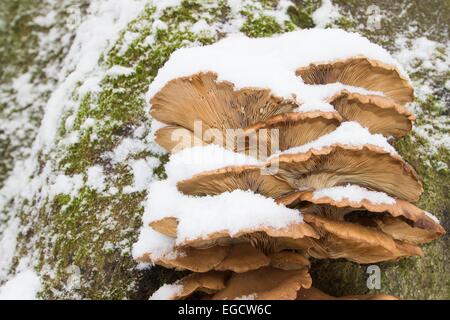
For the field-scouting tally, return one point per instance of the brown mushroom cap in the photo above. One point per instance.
(176, 138)
(233, 178)
(289, 260)
(265, 284)
(361, 72)
(354, 242)
(406, 221)
(368, 166)
(197, 260)
(217, 104)
(377, 113)
(315, 294)
(207, 283)
(287, 130)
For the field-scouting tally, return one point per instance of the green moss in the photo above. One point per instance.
(262, 26)
(301, 13)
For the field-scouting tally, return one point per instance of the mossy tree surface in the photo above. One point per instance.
(92, 232)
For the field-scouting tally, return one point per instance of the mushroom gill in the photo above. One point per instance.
(377, 113)
(360, 72)
(260, 139)
(216, 104)
(368, 166)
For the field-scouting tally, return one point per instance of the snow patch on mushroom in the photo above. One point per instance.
(349, 133)
(189, 162)
(353, 193)
(167, 292)
(228, 211)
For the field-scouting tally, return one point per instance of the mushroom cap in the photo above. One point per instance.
(287, 130)
(316, 294)
(201, 97)
(265, 284)
(377, 113)
(197, 260)
(176, 138)
(406, 222)
(340, 239)
(232, 178)
(289, 260)
(367, 165)
(207, 283)
(361, 72)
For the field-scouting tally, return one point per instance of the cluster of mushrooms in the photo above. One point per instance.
(273, 263)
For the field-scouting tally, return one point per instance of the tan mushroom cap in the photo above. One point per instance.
(289, 260)
(316, 294)
(265, 284)
(377, 113)
(368, 166)
(233, 178)
(406, 221)
(361, 72)
(206, 283)
(340, 239)
(201, 97)
(259, 140)
(176, 138)
(197, 260)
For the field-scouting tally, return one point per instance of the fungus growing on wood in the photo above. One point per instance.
(377, 113)
(217, 216)
(361, 72)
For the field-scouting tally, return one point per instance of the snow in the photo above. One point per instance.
(229, 211)
(96, 178)
(142, 170)
(238, 59)
(117, 71)
(127, 147)
(167, 292)
(189, 162)
(354, 193)
(247, 297)
(105, 21)
(349, 133)
(432, 216)
(23, 286)
(65, 185)
(325, 14)
(153, 243)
